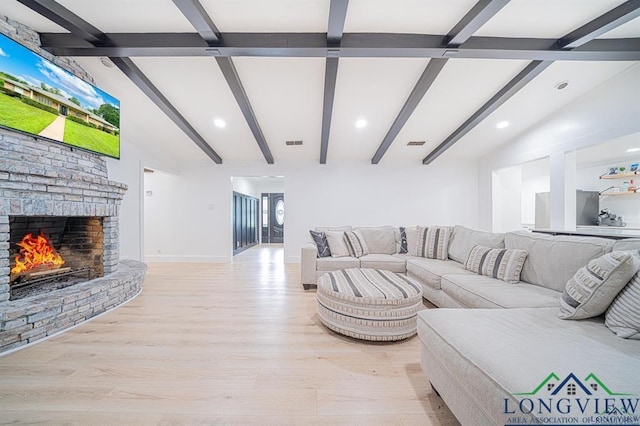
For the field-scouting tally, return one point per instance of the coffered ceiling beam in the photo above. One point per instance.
(92, 36)
(233, 80)
(200, 19)
(353, 45)
(518, 82)
(479, 14)
(68, 20)
(461, 32)
(576, 40)
(134, 73)
(337, 17)
(614, 18)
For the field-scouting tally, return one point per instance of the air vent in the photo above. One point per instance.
(291, 143)
(146, 170)
(416, 143)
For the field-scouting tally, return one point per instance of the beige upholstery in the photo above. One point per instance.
(463, 240)
(430, 271)
(379, 239)
(386, 262)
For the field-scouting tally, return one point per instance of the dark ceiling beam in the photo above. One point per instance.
(134, 73)
(479, 14)
(353, 45)
(207, 30)
(68, 20)
(337, 17)
(233, 80)
(427, 78)
(461, 32)
(518, 82)
(92, 36)
(614, 18)
(198, 17)
(576, 40)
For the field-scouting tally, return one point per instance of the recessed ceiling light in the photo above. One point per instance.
(562, 85)
(361, 123)
(502, 124)
(633, 150)
(219, 123)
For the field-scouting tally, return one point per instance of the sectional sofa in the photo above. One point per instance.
(502, 361)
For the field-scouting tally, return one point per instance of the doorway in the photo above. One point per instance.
(245, 222)
(273, 218)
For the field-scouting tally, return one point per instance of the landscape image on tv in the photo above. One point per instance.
(40, 98)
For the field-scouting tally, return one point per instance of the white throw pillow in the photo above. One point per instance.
(623, 316)
(337, 245)
(592, 289)
(412, 240)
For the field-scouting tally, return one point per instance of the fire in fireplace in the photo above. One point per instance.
(53, 252)
(37, 256)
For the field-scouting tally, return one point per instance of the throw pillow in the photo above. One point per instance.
(355, 243)
(321, 243)
(337, 245)
(412, 240)
(623, 316)
(433, 242)
(503, 264)
(594, 286)
(403, 241)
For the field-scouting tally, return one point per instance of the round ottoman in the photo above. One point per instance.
(369, 304)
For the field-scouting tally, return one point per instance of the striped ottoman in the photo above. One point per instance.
(369, 304)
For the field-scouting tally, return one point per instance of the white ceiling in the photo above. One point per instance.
(286, 94)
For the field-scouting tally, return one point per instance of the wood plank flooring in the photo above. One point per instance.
(236, 343)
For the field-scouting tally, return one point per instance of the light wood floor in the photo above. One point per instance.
(235, 343)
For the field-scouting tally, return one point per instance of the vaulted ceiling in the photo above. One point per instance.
(443, 72)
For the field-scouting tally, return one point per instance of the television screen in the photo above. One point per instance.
(40, 98)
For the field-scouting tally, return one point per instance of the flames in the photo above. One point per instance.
(36, 252)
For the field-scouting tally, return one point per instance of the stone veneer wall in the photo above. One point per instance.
(42, 178)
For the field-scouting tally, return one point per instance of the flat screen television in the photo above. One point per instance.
(39, 98)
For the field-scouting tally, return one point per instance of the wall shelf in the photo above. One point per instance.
(619, 194)
(621, 176)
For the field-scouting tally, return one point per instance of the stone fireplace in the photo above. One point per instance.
(64, 195)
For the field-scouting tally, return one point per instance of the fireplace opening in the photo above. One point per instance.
(52, 252)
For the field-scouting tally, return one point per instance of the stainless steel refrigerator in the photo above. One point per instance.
(587, 208)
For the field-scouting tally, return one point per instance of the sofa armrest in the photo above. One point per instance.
(308, 264)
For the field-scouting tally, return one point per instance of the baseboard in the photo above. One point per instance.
(175, 258)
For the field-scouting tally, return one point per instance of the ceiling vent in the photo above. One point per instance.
(291, 143)
(147, 170)
(416, 143)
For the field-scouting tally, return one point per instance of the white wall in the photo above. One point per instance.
(535, 178)
(246, 186)
(129, 170)
(607, 112)
(508, 205)
(193, 210)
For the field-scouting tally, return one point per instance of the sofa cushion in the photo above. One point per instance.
(479, 291)
(412, 240)
(429, 271)
(433, 242)
(623, 316)
(320, 240)
(490, 355)
(333, 228)
(503, 264)
(379, 239)
(385, 262)
(336, 263)
(553, 260)
(626, 244)
(337, 244)
(463, 239)
(355, 243)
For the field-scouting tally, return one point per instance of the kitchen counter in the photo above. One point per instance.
(596, 231)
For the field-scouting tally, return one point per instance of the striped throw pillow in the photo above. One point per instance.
(503, 264)
(623, 316)
(594, 286)
(355, 243)
(433, 242)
